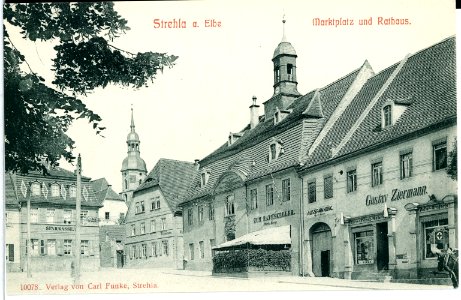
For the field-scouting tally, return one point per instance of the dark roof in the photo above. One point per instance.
(426, 85)
(249, 154)
(56, 172)
(173, 177)
(99, 184)
(114, 232)
(103, 190)
(11, 198)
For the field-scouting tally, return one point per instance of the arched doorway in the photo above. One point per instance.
(321, 250)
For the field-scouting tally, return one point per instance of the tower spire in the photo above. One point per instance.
(284, 38)
(132, 119)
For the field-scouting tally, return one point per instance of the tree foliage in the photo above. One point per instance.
(37, 116)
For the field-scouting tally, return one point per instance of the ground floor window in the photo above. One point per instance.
(436, 235)
(144, 250)
(191, 251)
(364, 247)
(165, 248)
(9, 251)
(51, 247)
(67, 247)
(202, 249)
(34, 251)
(84, 247)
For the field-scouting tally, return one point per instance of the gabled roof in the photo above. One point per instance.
(173, 177)
(425, 84)
(103, 191)
(113, 232)
(99, 184)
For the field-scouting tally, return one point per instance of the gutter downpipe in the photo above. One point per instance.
(301, 229)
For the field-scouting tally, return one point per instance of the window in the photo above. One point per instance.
(133, 229)
(73, 191)
(83, 216)
(152, 226)
(34, 248)
(286, 192)
(67, 216)
(163, 223)
(290, 71)
(440, 156)
(107, 215)
(34, 215)
(152, 204)
(211, 212)
(42, 247)
(351, 181)
(200, 213)
(254, 199)
(191, 251)
(377, 173)
(277, 74)
(311, 192)
(269, 194)
(190, 216)
(67, 247)
(143, 209)
(51, 247)
(165, 248)
(153, 250)
(201, 249)
(55, 190)
(406, 165)
(436, 233)
(328, 187)
(35, 188)
(9, 251)
(387, 115)
(143, 250)
(273, 149)
(131, 252)
(230, 209)
(84, 247)
(158, 204)
(205, 175)
(142, 228)
(138, 208)
(50, 215)
(364, 247)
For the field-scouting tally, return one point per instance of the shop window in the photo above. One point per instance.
(200, 213)
(253, 198)
(230, 205)
(211, 213)
(328, 187)
(51, 247)
(377, 173)
(436, 235)
(269, 194)
(191, 251)
(364, 247)
(286, 190)
(351, 181)
(311, 192)
(201, 249)
(439, 155)
(190, 217)
(406, 165)
(85, 247)
(67, 247)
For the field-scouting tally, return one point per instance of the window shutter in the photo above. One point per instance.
(59, 246)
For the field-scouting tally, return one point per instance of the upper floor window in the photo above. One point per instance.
(204, 176)
(406, 165)
(387, 115)
(200, 213)
(377, 173)
(190, 216)
(142, 228)
(311, 192)
(230, 208)
(211, 213)
(107, 215)
(55, 190)
(328, 187)
(133, 229)
(152, 226)
(269, 194)
(73, 191)
(277, 74)
(286, 190)
(253, 198)
(351, 181)
(290, 71)
(163, 223)
(35, 189)
(439, 152)
(275, 149)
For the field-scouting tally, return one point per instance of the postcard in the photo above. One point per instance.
(204, 148)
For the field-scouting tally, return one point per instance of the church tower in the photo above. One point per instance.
(133, 167)
(285, 84)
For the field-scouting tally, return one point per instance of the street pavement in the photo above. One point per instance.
(148, 281)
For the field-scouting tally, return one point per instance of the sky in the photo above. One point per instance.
(190, 109)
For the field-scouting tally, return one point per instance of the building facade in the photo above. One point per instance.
(52, 217)
(134, 169)
(113, 208)
(377, 197)
(154, 229)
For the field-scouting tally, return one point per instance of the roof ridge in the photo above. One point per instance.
(370, 105)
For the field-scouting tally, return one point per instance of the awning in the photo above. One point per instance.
(271, 236)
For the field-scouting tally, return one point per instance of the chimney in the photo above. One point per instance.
(254, 115)
(197, 164)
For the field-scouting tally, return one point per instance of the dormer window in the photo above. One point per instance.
(35, 188)
(275, 149)
(387, 115)
(204, 176)
(233, 137)
(55, 190)
(279, 115)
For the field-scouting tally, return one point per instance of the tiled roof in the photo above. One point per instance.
(426, 85)
(99, 184)
(114, 232)
(173, 177)
(10, 192)
(297, 132)
(428, 79)
(104, 191)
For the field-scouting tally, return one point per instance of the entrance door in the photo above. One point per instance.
(119, 259)
(382, 245)
(325, 263)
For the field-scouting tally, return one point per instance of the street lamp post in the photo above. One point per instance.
(77, 225)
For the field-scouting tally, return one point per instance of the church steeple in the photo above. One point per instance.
(285, 82)
(133, 167)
